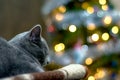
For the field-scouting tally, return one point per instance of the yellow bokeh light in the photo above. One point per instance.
(62, 9)
(107, 19)
(115, 29)
(59, 47)
(100, 74)
(91, 26)
(95, 37)
(85, 5)
(90, 10)
(72, 28)
(105, 36)
(89, 61)
(105, 7)
(102, 2)
(91, 78)
(59, 17)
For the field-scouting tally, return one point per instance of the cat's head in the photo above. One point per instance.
(32, 42)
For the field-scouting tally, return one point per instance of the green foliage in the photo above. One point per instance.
(111, 61)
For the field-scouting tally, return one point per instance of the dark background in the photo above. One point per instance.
(19, 15)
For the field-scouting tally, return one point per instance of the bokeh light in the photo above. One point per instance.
(72, 28)
(105, 36)
(90, 10)
(91, 78)
(62, 9)
(95, 37)
(59, 17)
(59, 47)
(85, 5)
(91, 26)
(100, 73)
(105, 7)
(88, 61)
(102, 2)
(115, 29)
(107, 19)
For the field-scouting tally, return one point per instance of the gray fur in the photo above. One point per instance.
(25, 53)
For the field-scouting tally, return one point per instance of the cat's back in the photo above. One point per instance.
(5, 47)
(3, 42)
(14, 61)
(5, 51)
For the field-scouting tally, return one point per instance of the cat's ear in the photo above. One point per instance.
(35, 34)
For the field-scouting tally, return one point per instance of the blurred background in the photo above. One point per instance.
(78, 31)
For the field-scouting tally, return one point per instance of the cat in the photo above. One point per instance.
(27, 52)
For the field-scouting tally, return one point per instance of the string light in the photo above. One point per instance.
(89, 61)
(105, 7)
(115, 29)
(51, 28)
(95, 37)
(59, 17)
(105, 36)
(100, 73)
(85, 5)
(59, 47)
(62, 9)
(107, 20)
(90, 10)
(91, 26)
(102, 2)
(91, 78)
(72, 28)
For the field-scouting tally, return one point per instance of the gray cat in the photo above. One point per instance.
(25, 53)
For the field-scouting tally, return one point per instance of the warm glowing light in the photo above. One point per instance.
(85, 5)
(72, 28)
(95, 37)
(100, 74)
(62, 9)
(59, 17)
(102, 2)
(90, 10)
(59, 47)
(105, 36)
(89, 61)
(105, 7)
(91, 78)
(51, 28)
(91, 26)
(107, 20)
(115, 29)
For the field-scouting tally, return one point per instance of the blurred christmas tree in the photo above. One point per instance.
(85, 32)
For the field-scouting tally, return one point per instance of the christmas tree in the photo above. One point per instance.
(85, 32)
